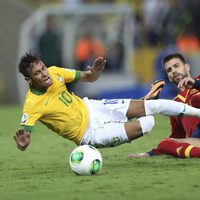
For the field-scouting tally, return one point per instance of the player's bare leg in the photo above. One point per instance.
(138, 155)
(142, 125)
(133, 130)
(136, 109)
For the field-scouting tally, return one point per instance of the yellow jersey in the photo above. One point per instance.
(57, 108)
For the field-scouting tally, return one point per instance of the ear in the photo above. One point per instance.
(28, 80)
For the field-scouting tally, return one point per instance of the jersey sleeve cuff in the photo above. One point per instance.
(77, 77)
(27, 128)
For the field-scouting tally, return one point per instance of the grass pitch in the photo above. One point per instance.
(42, 172)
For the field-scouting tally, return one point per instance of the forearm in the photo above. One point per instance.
(93, 73)
(89, 76)
(154, 152)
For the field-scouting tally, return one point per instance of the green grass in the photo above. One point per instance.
(42, 172)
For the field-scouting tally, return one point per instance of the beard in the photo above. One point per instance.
(178, 77)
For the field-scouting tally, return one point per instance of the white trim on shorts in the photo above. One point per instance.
(106, 122)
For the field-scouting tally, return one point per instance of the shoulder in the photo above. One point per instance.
(55, 69)
(67, 73)
(29, 100)
(33, 100)
(59, 70)
(197, 77)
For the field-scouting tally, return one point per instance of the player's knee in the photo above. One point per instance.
(146, 123)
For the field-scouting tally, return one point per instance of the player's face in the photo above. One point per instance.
(176, 70)
(39, 76)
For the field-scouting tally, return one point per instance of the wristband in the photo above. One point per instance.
(197, 84)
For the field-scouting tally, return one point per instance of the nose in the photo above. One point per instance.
(173, 71)
(44, 73)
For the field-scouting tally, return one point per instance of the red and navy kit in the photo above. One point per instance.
(183, 126)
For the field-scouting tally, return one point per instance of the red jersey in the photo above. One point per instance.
(183, 127)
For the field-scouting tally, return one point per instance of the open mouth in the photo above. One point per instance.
(47, 81)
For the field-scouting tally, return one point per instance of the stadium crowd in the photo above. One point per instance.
(158, 22)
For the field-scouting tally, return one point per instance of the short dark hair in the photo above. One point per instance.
(27, 61)
(174, 55)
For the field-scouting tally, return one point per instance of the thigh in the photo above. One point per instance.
(108, 135)
(106, 122)
(136, 109)
(107, 110)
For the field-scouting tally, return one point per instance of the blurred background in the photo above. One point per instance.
(133, 35)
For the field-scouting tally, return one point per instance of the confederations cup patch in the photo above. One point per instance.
(24, 118)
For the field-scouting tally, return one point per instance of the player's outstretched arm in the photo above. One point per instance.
(138, 155)
(94, 71)
(22, 139)
(153, 152)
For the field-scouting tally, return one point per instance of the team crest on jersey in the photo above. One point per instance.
(60, 79)
(24, 118)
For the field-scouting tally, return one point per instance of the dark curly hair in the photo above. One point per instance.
(27, 61)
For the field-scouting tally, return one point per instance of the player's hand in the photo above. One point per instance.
(138, 155)
(22, 139)
(186, 83)
(98, 66)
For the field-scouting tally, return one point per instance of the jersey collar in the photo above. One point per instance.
(36, 91)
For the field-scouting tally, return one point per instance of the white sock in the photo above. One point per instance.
(146, 123)
(170, 108)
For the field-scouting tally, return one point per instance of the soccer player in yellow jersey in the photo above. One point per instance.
(101, 123)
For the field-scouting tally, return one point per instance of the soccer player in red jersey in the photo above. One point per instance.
(184, 140)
